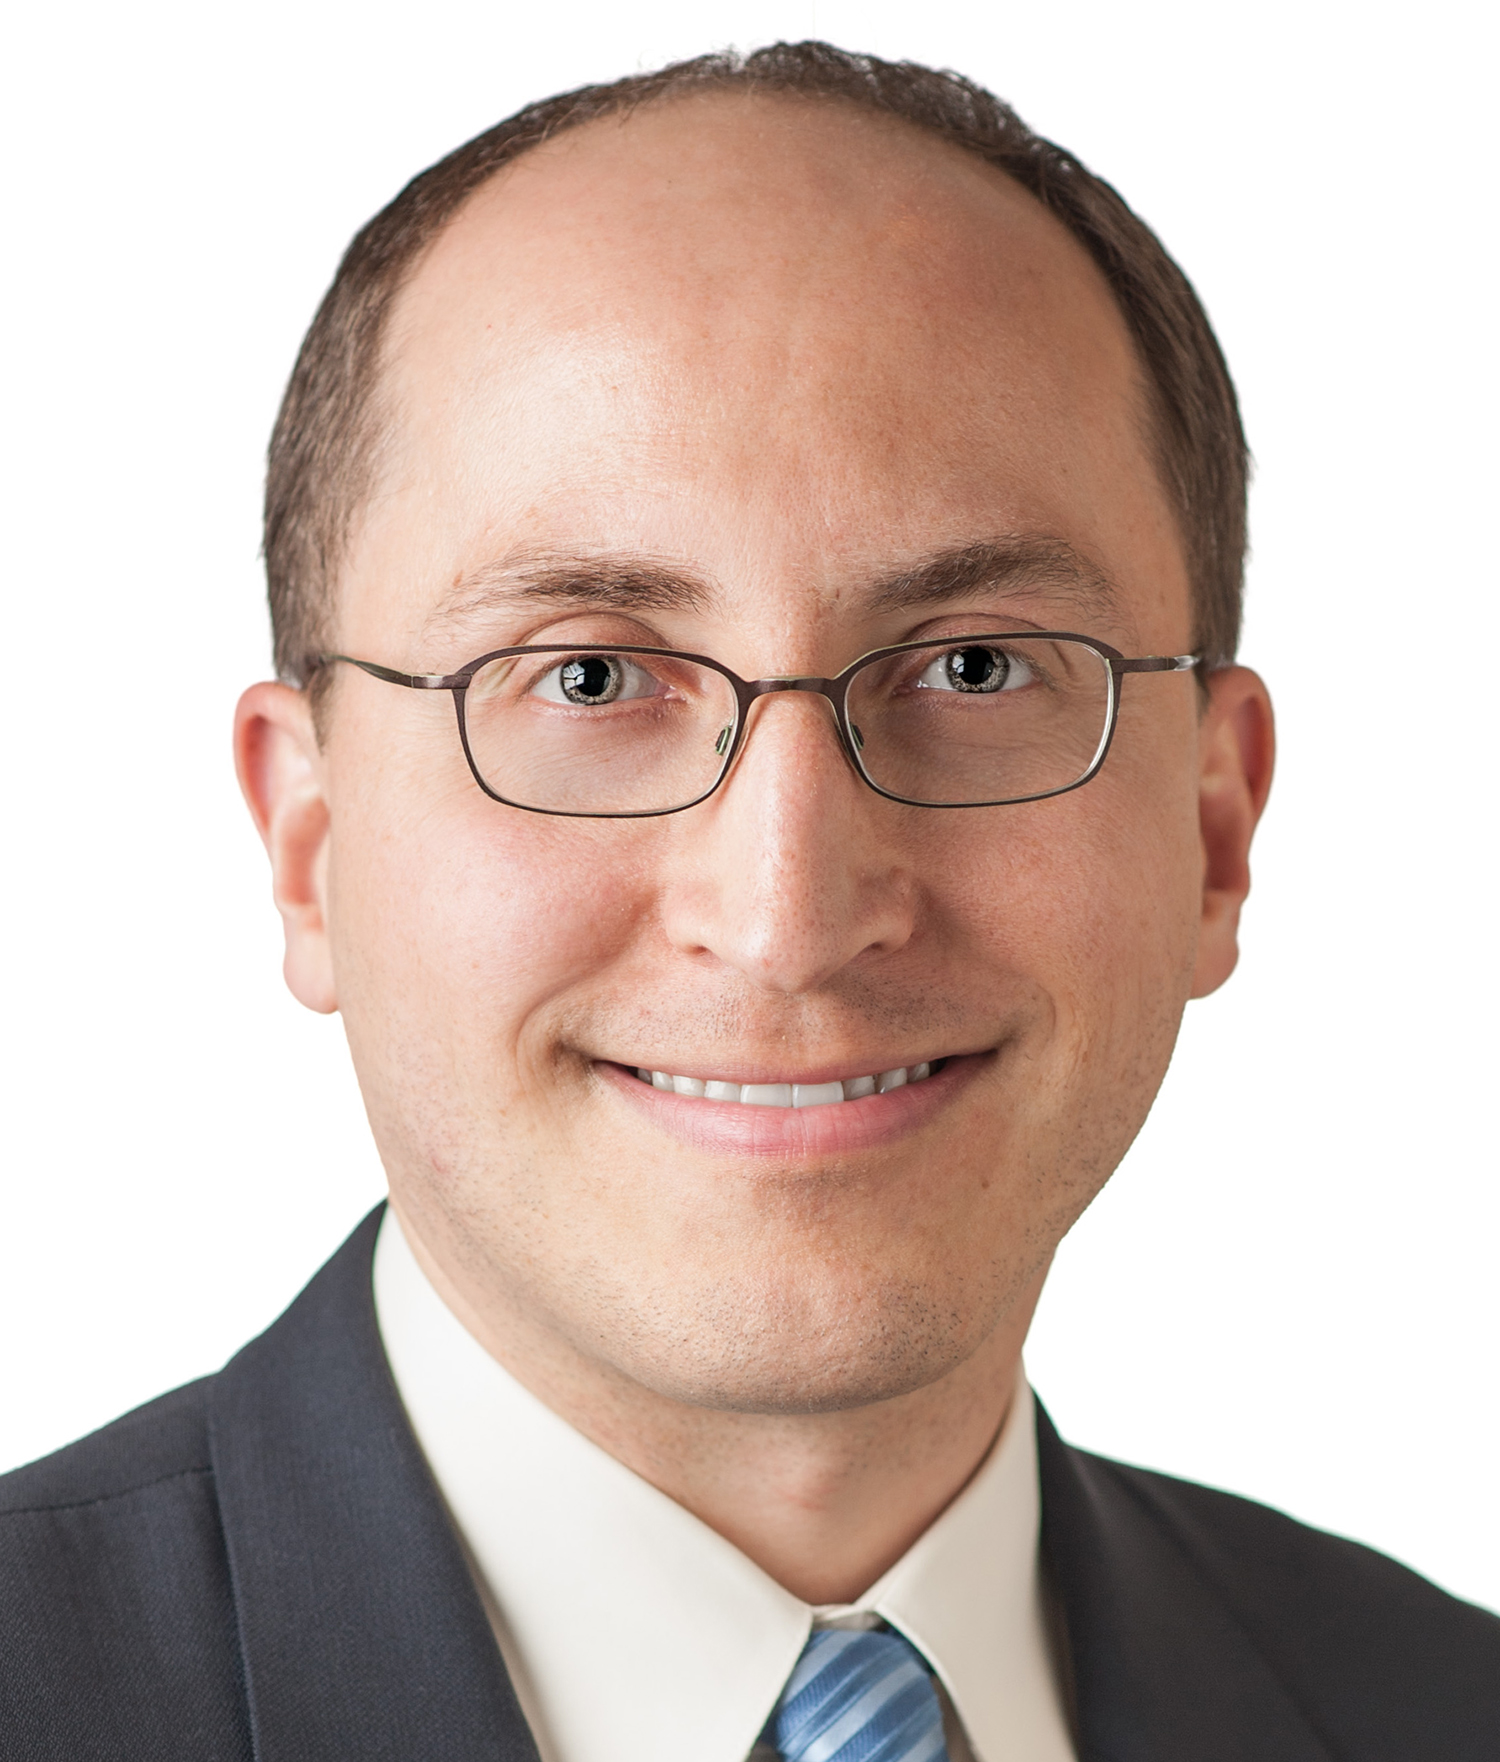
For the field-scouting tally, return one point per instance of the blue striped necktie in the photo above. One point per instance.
(859, 1697)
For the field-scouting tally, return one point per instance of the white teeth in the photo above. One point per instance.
(785, 1094)
(770, 1094)
(816, 1094)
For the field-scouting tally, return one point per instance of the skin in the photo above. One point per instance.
(757, 354)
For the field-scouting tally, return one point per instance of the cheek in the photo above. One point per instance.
(457, 923)
(1094, 898)
(1127, 906)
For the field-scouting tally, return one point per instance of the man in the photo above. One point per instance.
(754, 554)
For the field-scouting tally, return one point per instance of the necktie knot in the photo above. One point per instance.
(859, 1697)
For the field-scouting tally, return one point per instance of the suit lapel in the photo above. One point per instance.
(1163, 1671)
(362, 1632)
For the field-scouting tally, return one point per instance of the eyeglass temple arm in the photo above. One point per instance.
(417, 681)
(1157, 664)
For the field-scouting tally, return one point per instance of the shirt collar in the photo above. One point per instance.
(635, 1633)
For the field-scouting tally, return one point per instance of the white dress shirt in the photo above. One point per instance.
(635, 1633)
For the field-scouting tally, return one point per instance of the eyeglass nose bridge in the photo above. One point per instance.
(833, 690)
(828, 688)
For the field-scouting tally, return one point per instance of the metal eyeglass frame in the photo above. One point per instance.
(746, 691)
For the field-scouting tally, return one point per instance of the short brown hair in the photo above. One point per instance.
(323, 450)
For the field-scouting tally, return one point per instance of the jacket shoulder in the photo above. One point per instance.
(117, 1622)
(166, 1437)
(1383, 1661)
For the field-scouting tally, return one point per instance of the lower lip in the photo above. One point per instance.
(730, 1128)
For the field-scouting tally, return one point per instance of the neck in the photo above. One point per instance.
(824, 1503)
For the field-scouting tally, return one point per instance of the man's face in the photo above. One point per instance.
(706, 379)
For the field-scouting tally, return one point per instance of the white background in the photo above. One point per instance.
(1290, 1288)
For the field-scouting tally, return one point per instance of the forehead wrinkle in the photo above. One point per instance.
(588, 583)
(1011, 564)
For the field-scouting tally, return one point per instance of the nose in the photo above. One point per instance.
(794, 869)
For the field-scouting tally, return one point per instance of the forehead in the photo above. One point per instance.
(770, 318)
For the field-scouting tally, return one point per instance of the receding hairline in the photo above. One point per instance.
(966, 165)
(1041, 227)
(574, 136)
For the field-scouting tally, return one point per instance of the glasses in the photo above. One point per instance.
(624, 732)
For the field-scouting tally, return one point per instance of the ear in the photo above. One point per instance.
(281, 773)
(1237, 749)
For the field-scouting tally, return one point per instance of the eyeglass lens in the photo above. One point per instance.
(956, 723)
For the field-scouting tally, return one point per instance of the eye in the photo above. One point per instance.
(587, 680)
(981, 669)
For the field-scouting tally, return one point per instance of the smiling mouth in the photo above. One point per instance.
(790, 1094)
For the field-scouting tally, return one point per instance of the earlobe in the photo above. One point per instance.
(1237, 747)
(281, 774)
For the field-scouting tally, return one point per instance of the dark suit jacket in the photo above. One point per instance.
(259, 1566)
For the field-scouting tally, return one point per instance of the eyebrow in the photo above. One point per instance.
(1012, 564)
(587, 583)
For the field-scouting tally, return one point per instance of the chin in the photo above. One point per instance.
(765, 1350)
